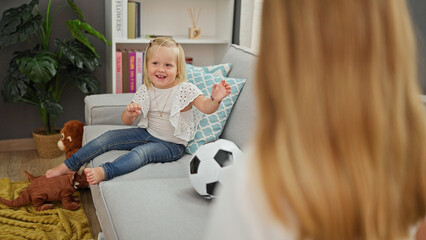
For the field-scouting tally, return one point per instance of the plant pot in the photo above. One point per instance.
(47, 145)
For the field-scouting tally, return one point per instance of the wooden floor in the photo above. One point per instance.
(14, 163)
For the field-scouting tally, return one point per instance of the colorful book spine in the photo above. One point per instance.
(131, 20)
(139, 69)
(119, 72)
(125, 69)
(138, 19)
(132, 72)
(143, 65)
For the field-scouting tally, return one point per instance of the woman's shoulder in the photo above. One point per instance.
(241, 211)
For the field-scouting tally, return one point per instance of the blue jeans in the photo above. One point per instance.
(143, 147)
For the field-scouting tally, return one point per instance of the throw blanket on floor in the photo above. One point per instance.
(27, 223)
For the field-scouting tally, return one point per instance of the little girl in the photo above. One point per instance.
(167, 123)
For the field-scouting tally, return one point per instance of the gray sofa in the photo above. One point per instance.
(158, 201)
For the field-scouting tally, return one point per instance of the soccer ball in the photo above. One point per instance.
(210, 163)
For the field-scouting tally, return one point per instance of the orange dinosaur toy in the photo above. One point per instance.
(43, 191)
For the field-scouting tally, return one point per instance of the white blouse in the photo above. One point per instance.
(241, 212)
(173, 125)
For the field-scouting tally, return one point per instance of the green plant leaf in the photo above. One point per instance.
(86, 82)
(17, 86)
(76, 28)
(54, 109)
(14, 88)
(78, 54)
(17, 24)
(40, 68)
(76, 10)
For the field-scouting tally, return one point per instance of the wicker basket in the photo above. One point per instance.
(47, 145)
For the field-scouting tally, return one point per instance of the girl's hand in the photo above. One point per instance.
(220, 91)
(133, 109)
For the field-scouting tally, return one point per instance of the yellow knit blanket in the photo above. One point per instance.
(27, 223)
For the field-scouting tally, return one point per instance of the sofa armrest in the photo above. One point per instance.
(106, 109)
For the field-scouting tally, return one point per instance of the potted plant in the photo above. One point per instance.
(39, 76)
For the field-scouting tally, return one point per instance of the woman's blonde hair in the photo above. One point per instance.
(177, 51)
(341, 135)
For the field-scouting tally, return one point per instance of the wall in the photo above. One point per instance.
(418, 10)
(17, 120)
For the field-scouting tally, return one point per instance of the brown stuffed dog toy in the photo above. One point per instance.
(71, 137)
(43, 191)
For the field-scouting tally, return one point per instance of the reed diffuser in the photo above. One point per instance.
(194, 31)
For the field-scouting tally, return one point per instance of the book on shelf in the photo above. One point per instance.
(119, 72)
(138, 20)
(131, 20)
(124, 18)
(125, 67)
(139, 69)
(132, 71)
(129, 70)
(120, 18)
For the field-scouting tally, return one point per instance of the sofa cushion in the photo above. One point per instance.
(211, 125)
(155, 209)
(240, 124)
(106, 108)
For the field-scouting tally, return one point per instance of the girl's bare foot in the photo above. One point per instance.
(94, 175)
(61, 169)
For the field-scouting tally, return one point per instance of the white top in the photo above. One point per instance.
(240, 211)
(161, 112)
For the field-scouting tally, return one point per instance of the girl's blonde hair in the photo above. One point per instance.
(177, 51)
(341, 135)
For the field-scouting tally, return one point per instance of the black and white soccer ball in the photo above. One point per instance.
(210, 163)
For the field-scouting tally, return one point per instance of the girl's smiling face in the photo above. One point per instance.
(162, 67)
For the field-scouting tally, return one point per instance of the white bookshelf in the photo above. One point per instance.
(170, 17)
